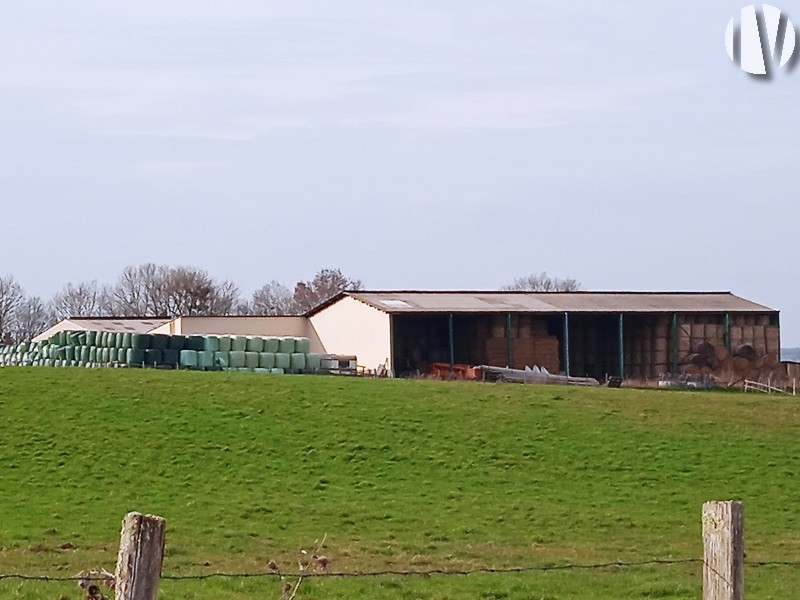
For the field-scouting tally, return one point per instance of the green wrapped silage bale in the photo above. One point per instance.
(171, 357)
(54, 340)
(313, 362)
(210, 343)
(255, 344)
(105, 354)
(266, 360)
(82, 337)
(302, 344)
(84, 354)
(91, 338)
(141, 341)
(205, 359)
(239, 343)
(286, 345)
(195, 342)
(134, 356)
(221, 359)
(122, 354)
(153, 356)
(69, 353)
(188, 358)
(92, 353)
(124, 340)
(283, 360)
(159, 341)
(62, 338)
(272, 344)
(177, 342)
(224, 343)
(251, 360)
(57, 363)
(277, 371)
(298, 363)
(236, 359)
(262, 371)
(22, 348)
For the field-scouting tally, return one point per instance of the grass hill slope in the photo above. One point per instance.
(399, 474)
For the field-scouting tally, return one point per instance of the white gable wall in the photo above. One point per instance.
(349, 326)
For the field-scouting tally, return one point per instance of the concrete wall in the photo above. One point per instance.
(351, 327)
(277, 326)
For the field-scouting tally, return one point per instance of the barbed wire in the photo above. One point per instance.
(412, 572)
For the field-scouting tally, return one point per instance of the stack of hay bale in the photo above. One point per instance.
(274, 355)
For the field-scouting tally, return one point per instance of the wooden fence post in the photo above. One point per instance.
(141, 553)
(723, 550)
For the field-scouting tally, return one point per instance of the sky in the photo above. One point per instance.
(436, 144)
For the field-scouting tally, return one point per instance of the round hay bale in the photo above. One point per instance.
(745, 351)
(720, 353)
(741, 365)
(706, 349)
(698, 360)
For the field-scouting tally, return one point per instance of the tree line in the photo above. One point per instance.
(151, 290)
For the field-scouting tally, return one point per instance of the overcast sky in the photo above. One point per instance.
(414, 144)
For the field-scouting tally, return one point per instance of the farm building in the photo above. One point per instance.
(584, 334)
(592, 334)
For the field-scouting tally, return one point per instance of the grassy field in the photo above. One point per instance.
(398, 474)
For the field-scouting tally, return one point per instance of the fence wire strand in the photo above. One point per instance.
(412, 572)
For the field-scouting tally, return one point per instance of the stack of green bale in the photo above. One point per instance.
(258, 354)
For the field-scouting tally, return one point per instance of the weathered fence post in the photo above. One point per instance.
(141, 553)
(723, 550)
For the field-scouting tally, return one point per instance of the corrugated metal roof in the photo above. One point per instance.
(555, 302)
(114, 324)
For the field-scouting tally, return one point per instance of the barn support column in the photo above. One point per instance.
(621, 347)
(726, 336)
(566, 344)
(450, 342)
(674, 344)
(509, 350)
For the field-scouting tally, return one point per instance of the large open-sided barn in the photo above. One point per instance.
(594, 334)
(584, 334)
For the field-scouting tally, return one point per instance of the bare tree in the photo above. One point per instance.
(324, 286)
(11, 295)
(86, 299)
(193, 292)
(142, 291)
(542, 282)
(31, 317)
(272, 299)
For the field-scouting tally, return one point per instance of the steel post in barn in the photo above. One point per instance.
(141, 554)
(509, 348)
(726, 334)
(723, 550)
(450, 341)
(566, 344)
(621, 347)
(674, 344)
